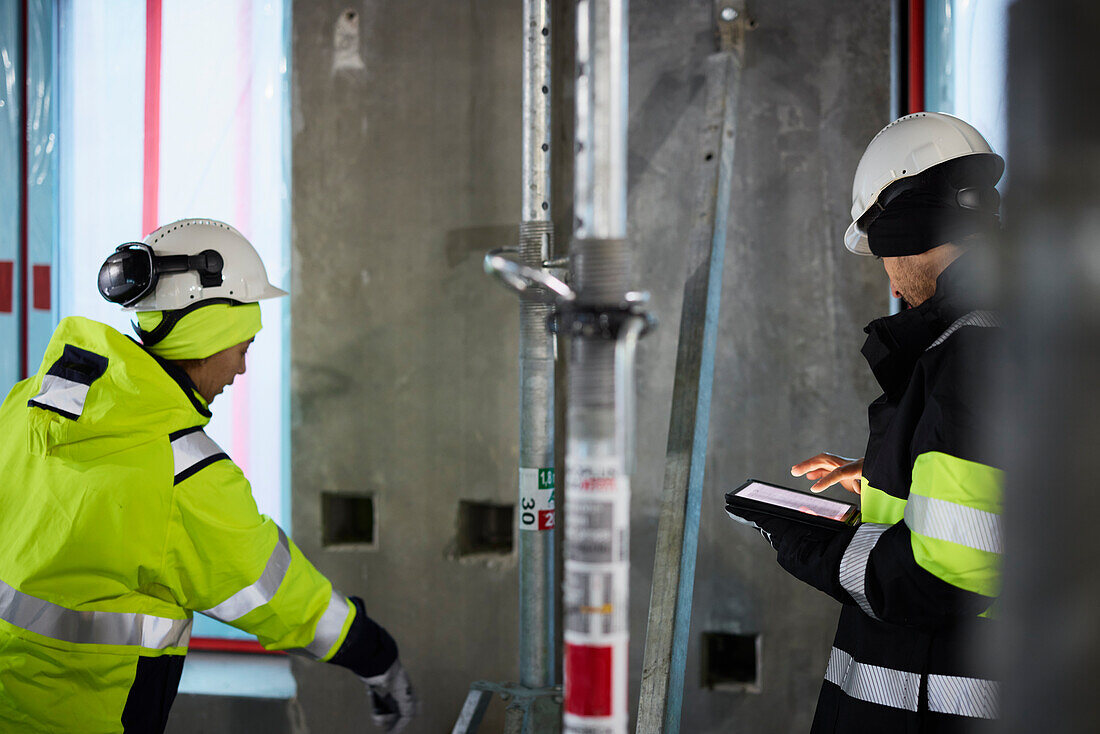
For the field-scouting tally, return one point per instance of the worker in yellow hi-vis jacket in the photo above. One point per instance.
(120, 517)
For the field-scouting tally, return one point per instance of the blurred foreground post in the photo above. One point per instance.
(1051, 269)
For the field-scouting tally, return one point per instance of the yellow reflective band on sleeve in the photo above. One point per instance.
(973, 570)
(951, 479)
(259, 593)
(92, 628)
(879, 507)
(953, 516)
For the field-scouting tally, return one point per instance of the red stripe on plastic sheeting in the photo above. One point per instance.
(42, 287)
(24, 213)
(151, 189)
(218, 644)
(242, 412)
(7, 286)
(588, 679)
(916, 56)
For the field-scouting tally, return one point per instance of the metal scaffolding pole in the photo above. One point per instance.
(604, 323)
(534, 705)
(536, 367)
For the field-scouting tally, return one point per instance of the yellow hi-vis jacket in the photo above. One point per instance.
(119, 517)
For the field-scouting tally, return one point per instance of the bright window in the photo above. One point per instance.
(966, 54)
(182, 111)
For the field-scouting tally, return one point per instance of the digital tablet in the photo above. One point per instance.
(791, 504)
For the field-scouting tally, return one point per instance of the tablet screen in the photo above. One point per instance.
(798, 501)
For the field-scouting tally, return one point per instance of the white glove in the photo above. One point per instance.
(393, 700)
(737, 518)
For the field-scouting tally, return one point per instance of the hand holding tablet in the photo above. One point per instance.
(755, 496)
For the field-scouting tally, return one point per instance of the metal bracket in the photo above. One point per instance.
(569, 317)
(731, 19)
(527, 280)
(529, 710)
(602, 321)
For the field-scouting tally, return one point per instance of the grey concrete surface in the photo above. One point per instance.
(406, 169)
(789, 379)
(193, 714)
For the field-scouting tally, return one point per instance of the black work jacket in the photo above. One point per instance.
(916, 576)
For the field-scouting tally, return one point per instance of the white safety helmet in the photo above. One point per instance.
(184, 263)
(906, 148)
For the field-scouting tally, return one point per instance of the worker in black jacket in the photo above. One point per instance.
(920, 576)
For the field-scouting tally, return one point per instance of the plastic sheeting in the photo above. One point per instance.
(185, 117)
(27, 316)
(966, 63)
(11, 141)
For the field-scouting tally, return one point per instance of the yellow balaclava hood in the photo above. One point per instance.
(201, 331)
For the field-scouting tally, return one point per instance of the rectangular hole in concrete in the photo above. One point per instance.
(484, 527)
(347, 519)
(731, 661)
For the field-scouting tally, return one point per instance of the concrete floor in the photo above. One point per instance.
(406, 170)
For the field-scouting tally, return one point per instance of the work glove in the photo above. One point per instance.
(808, 552)
(393, 700)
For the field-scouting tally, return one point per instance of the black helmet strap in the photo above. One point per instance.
(171, 318)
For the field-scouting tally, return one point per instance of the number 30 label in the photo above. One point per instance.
(536, 499)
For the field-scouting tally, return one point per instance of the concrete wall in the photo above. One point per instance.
(404, 371)
(406, 169)
(789, 379)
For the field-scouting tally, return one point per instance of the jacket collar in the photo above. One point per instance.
(181, 378)
(895, 343)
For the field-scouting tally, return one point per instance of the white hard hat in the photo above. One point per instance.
(184, 263)
(906, 148)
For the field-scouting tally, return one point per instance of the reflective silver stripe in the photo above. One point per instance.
(259, 593)
(895, 688)
(190, 449)
(93, 628)
(975, 697)
(65, 395)
(853, 565)
(955, 523)
(974, 318)
(330, 626)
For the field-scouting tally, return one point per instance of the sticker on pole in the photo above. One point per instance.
(595, 602)
(536, 499)
(597, 475)
(589, 670)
